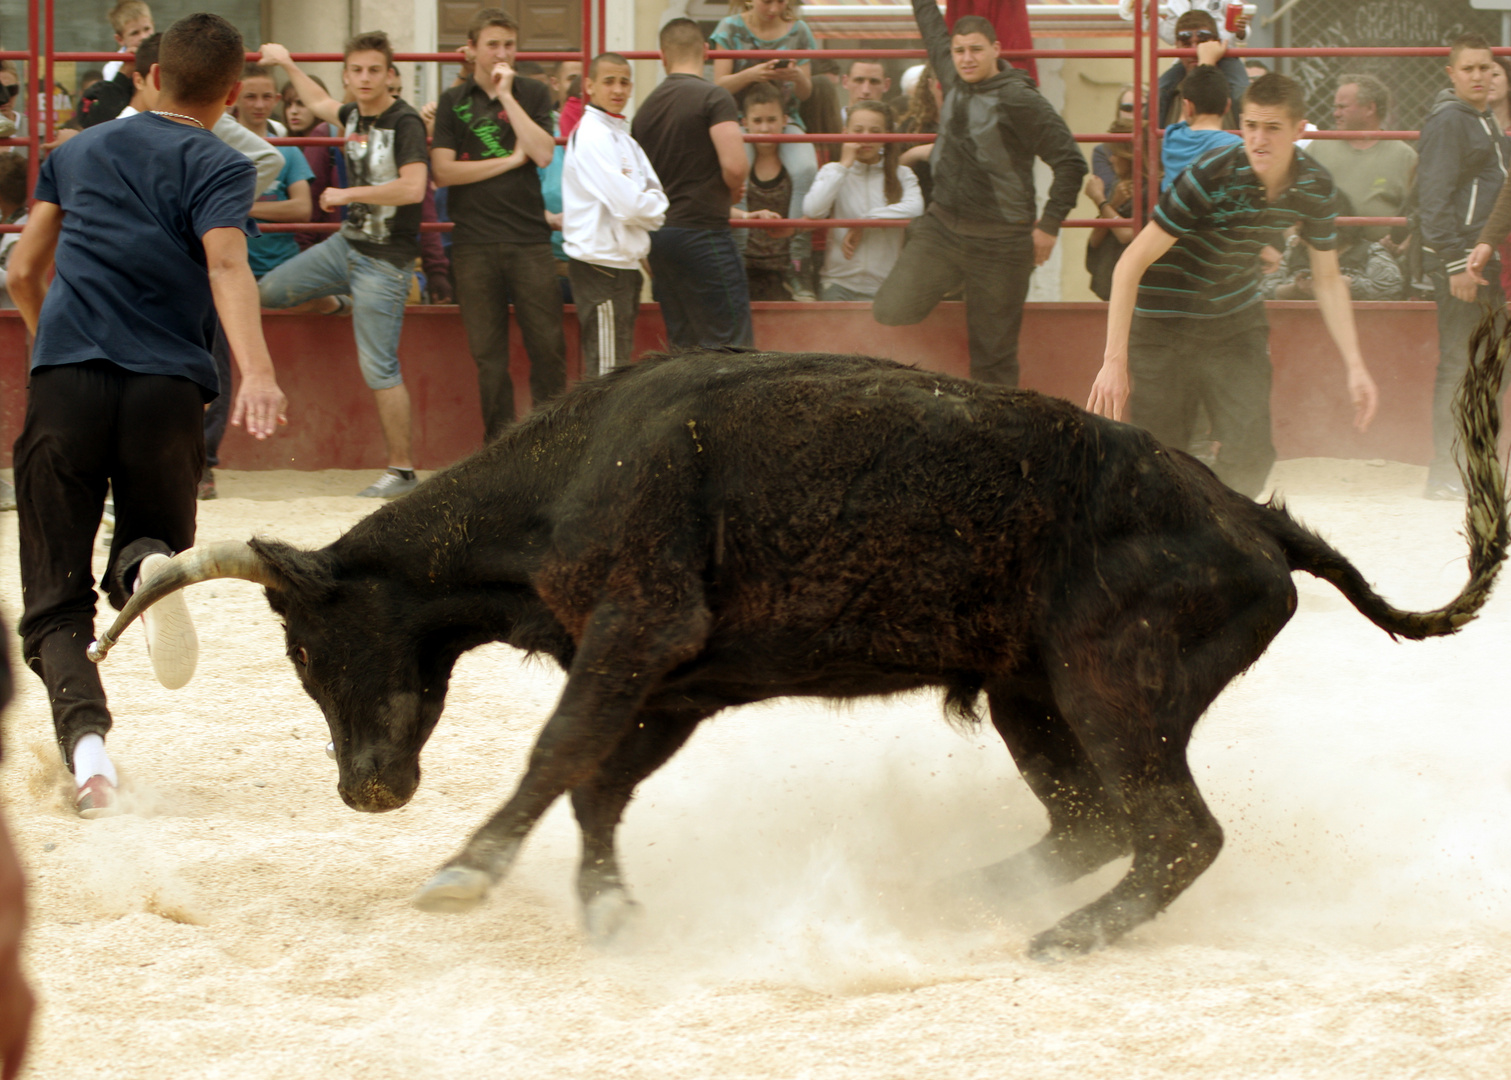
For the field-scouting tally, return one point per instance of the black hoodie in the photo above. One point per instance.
(1461, 165)
(989, 134)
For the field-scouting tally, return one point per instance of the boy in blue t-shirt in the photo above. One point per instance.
(1203, 103)
(146, 221)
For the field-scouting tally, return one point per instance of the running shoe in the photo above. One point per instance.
(390, 485)
(97, 799)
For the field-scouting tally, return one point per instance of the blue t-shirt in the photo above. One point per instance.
(1183, 144)
(137, 196)
(274, 249)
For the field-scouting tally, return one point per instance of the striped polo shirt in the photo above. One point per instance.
(1220, 218)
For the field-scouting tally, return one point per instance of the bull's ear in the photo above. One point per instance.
(310, 574)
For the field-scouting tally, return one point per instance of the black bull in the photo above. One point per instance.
(704, 531)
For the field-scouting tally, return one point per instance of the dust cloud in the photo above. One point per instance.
(244, 923)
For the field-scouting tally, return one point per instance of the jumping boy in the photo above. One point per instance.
(155, 247)
(611, 202)
(372, 258)
(982, 230)
(1193, 330)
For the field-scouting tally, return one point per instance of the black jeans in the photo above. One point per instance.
(486, 276)
(1456, 321)
(1179, 364)
(88, 424)
(936, 261)
(698, 278)
(608, 302)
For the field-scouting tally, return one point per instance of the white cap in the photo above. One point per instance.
(910, 79)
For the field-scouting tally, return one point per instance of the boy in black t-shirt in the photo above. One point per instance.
(690, 130)
(1186, 322)
(121, 369)
(372, 258)
(490, 133)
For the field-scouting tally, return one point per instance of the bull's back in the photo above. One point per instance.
(835, 507)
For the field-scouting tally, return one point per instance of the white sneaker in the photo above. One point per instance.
(172, 644)
(390, 486)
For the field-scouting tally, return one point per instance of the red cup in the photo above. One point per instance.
(1235, 13)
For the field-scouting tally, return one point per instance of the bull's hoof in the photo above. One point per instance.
(1064, 942)
(608, 917)
(452, 891)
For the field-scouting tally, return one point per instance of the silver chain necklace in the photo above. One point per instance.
(178, 116)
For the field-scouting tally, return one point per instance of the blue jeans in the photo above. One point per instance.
(830, 292)
(378, 290)
(698, 278)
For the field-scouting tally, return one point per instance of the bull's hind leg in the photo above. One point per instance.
(623, 654)
(1132, 696)
(599, 805)
(1087, 825)
(1175, 839)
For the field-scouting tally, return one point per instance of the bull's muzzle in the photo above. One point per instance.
(374, 796)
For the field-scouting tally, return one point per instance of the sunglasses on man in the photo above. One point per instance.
(1187, 38)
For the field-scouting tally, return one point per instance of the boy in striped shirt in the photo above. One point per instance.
(1186, 323)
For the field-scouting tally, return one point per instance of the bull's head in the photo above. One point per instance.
(360, 645)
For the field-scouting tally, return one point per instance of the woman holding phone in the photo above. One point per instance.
(772, 25)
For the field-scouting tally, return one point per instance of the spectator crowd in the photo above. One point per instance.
(535, 224)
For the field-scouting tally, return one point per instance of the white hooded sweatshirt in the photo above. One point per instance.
(860, 192)
(611, 198)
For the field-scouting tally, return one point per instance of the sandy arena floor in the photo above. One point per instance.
(244, 924)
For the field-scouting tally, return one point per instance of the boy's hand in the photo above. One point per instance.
(260, 406)
(276, 54)
(501, 78)
(1109, 391)
(1465, 286)
(331, 198)
(1479, 258)
(1044, 246)
(1209, 52)
(852, 243)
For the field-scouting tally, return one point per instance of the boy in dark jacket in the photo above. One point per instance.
(980, 231)
(1462, 158)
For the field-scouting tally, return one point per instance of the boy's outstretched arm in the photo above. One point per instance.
(315, 99)
(260, 405)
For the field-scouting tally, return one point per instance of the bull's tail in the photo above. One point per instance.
(1476, 412)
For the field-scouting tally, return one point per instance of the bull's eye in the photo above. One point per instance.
(302, 656)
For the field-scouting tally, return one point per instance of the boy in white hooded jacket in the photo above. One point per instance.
(611, 200)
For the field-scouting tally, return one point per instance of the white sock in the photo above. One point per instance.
(90, 759)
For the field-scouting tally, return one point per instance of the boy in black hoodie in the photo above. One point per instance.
(1462, 158)
(980, 231)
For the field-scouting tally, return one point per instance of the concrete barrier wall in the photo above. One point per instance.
(332, 422)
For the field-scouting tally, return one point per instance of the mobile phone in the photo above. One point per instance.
(783, 64)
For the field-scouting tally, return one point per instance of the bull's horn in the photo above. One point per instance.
(226, 559)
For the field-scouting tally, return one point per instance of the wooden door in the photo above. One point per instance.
(544, 25)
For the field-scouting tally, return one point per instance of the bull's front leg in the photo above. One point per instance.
(599, 805)
(622, 656)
